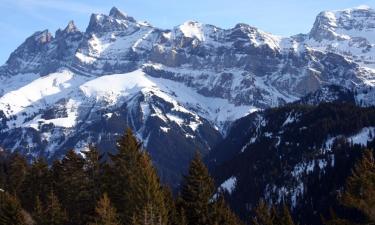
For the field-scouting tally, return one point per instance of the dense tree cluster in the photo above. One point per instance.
(123, 189)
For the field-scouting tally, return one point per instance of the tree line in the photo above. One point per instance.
(124, 189)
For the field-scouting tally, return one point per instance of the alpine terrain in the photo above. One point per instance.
(179, 89)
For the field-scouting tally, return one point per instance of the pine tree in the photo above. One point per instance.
(71, 185)
(197, 192)
(360, 187)
(173, 214)
(263, 215)
(284, 217)
(359, 194)
(17, 173)
(37, 184)
(105, 213)
(148, 194)
(94, 172)
(10, 210)
(53, 213)
(143, 199)
(223, 214)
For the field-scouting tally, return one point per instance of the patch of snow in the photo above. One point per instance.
(229, 185)
(192, 29)
(165, 129)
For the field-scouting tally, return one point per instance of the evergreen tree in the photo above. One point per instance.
(173, 211)
(148, 194)
(223, 214)
(37, 184)
(10, 210)
(359, 194)
(197, 192)
(52, 213)
(360, 187)
(94, 172)
(263, 215)
(17, 173)
(284, 217)
(71, 185)
(143, 199)
(105, 213)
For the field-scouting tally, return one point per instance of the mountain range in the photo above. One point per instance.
(181, 89)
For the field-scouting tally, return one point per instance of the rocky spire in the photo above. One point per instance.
(71, 27)
(117, 14)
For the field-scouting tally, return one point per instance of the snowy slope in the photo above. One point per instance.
(178, 88)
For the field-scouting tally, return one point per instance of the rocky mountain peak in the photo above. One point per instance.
(117, 14)
(115, 21)
(343, 24)
(42, 37)
(71, 27)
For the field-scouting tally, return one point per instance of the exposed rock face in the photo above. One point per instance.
(178, 89)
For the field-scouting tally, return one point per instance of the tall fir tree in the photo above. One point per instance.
(360, 187)
(263, 214)
(223, 214)
(37, 184)
(71, 186)
(93, 169)
(17, 173)
(284, 217)
(51, 213)
(197, 192)
(142, 199)
(358, 198)
(105, 213)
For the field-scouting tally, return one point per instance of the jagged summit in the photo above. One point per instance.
(118, 14)
(114, 21)
(71, 27)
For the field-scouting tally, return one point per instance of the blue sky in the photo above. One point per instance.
(21, 18)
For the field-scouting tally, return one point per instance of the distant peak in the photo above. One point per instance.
(42, 36)
(71, 27)
(118, 14)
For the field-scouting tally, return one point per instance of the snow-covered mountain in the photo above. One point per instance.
(178, 89)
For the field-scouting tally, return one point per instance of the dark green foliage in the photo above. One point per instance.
(271, 215)
(17, 172)
(263, 214)
(70, 192)
(71, 187)
(105, 213)
(37, 184)
(223, 215)
(142, 201)
(50, 213)
(199, 201)
(10, 210)
(359, 195)
(196, 192)
(284, 217)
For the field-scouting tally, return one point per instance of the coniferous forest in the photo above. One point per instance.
(93, 189)
(121, 189)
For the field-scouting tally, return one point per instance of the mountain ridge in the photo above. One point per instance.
(184, 85)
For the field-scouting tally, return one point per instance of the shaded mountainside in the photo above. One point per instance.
(296, 154)
(179, 89)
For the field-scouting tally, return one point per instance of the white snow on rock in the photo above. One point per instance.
(365, 135)
(193, 29)
(229, 185)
